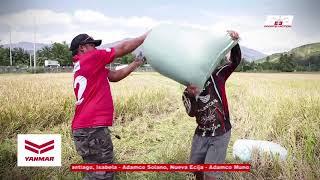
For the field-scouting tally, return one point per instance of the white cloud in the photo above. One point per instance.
(98, 19)
(89, 16)
(40, 17)
(55, 26)
(254, 35)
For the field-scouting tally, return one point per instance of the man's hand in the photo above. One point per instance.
(139, 59)
(138, 62)
(193, 90)
(233, 34)
(115, 76)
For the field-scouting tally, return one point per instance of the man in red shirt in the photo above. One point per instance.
(94, 104)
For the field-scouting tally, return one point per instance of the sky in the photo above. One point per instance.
(57, 21)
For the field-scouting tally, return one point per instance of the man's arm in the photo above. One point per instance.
(235, 58)
(115, 76)
(235, 55)
(189, 100)
(129, 45)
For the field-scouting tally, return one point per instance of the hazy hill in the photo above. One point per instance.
(300, 53)
(247, 53)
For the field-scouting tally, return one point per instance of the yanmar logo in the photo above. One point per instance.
(39, 150)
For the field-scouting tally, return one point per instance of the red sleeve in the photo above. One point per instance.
(107, 55)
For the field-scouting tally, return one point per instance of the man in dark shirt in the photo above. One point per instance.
(210, 108)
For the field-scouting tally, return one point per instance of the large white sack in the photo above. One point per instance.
(244, 148)
(186, 55)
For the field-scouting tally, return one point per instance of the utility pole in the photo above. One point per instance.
(30, 60)
(34, 44)
(309, 58)
(10, 49)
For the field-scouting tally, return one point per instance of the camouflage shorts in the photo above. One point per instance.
(94, 145)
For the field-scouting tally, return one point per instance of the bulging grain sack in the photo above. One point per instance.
(186, 55)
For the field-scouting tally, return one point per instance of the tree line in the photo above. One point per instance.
(57, 51)
(286, 63)
(60, 52)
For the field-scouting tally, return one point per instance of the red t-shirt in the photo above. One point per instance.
(94, 105)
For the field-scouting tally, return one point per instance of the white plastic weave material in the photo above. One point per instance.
(185, 54)
(243, 149)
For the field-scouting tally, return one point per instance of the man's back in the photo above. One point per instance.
(211, 107)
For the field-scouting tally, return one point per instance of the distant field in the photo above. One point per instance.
(153, 125)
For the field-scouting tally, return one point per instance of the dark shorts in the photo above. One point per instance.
(210, 150)
(94, 145)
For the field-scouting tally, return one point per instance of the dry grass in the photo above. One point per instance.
(154, 127)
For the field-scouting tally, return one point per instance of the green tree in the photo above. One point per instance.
(285, 63)
(243, 66)
(60, 52)
(252, 66)
(268, 59)
(127, 59)
(57, 51)
(20, 57)
(4, 56)
(314, 63)
(44, 54)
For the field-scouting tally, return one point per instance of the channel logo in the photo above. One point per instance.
(278, 21)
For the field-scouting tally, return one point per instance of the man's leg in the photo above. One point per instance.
(95, 146)
(217, 154)
(198, 152)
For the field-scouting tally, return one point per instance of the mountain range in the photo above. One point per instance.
(247, 53)
(299, 53)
